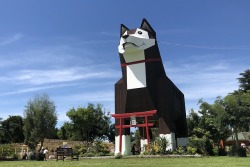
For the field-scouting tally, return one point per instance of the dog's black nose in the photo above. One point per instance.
(125, 36)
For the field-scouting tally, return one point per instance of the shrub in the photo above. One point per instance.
(215, 151)
(80, 149)
(198, 143)
(31, 156)
(102, 148)
(242, 152)
(118, 156)
(147, 149)
(40, 156)
(180, 150)
(163, 143)
(14, 156)
(89, 154)
(155, 149)
(232, 151)
(222, 152)
(191, 150)
(7, 150)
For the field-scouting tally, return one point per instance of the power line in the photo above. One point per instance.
(206, 47)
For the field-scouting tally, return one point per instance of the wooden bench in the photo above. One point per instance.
(65, 152)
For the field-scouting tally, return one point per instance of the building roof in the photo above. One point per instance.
(243, 136)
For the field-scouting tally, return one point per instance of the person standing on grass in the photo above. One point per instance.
(24, 155)
(45, 152)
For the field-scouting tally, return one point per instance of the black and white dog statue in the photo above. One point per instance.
(144, 86)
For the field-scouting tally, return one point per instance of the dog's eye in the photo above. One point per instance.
(139, 32)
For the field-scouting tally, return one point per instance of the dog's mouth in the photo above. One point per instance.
(129, 45)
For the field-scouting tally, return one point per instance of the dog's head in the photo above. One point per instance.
(136, 39)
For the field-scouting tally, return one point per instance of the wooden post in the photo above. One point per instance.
(148, 138)
(120, 139)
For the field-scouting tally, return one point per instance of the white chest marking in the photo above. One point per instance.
(136, 76)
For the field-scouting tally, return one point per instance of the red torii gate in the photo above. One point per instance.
(145, 114)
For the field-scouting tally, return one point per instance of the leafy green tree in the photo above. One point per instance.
(111, 133)
(66, 131)
(214, 120)
(244, 80)
(89, 123)
(1, 131)
(62, 133)
(40, 120)
(208, 125)
(198, 134)
(13, 129)
(237, 107)
(193, 120)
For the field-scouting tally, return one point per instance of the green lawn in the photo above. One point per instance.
(137, 162)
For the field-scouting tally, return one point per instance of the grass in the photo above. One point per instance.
(137, 162)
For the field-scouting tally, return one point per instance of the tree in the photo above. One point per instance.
(208, 125)
(111, 133)
(66, 131)
(1, 131)
(245, 80)
(40, 119)
(13, 129)
(89, 123)
(198, 131)
(237, 107)
(193, 120)
(214, 119)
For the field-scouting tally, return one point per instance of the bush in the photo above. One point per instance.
(102, 148)
(232, 151)
(98, 148)
(148, 149)
(163, 143)
(180, 151)
(89, 154)
(209, 148)
(14, 156)
(215, 151)
(155, 149)
(40, 156)
(7, 150)
(118, 156)
(191, 150)
(32, 156)
(80, 149)
(222, 152)
(198, 143)
(159, 147)
(242, 152)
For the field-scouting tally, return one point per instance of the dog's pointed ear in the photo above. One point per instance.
(146, 26)
(123, 29)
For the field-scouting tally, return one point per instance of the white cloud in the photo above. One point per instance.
(33, 89)
(199, 77)
(106, 98)
(95, 96)
(38, 77)
(11, 39)
(46, 57)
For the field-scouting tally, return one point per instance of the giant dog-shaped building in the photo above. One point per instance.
(144, 86)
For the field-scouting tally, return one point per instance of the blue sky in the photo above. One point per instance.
(68, 49)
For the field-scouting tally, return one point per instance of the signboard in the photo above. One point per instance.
(132, 120)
